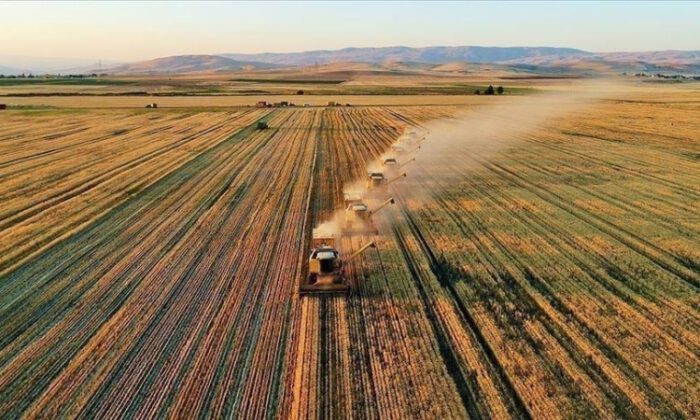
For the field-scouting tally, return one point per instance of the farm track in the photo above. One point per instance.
(149, 265)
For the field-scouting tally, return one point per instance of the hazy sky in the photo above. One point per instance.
(133, 31)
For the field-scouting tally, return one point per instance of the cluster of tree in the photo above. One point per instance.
(666, 76)
(490, 91)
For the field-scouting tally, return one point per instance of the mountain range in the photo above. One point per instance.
(428, 58)
(431, 55)
(552, 57)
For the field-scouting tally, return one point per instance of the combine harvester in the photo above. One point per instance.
(326, 266)
(378, 185)
(358, 218)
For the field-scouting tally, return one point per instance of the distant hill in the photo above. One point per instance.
(186, 64)
(432, 55)
(395, 59)
(448, 58)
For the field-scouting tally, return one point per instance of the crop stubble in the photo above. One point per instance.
(150, 260)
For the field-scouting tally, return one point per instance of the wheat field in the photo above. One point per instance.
(149, 263)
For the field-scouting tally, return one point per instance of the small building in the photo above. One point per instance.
(284, 103)
(3, 106)
(261, 104)
(331, 103)
(152, 105)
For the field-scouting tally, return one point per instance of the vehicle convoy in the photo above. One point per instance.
(358, 218)
(327, 267)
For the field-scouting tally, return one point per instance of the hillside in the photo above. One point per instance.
(442, 59)
(186, 64)
(433, 55)
(545, 58)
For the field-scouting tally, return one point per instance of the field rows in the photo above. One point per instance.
(168, 268)
(576, 260)
(154, 268)
(149, 263)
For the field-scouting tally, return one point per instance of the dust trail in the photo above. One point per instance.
(329, 228)
(490, 130)
(441, 149)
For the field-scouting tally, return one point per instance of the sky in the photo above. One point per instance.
(130, 31)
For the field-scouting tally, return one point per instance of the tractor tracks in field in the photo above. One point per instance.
(466, 386)
(659, 256)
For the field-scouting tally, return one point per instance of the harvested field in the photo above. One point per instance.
(244, 101)
(149, 264)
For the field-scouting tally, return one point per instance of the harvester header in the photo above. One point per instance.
(406, 163)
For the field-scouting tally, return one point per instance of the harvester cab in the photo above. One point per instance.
(375, 180)
(326, 272)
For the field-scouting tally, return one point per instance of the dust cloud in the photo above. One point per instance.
(438, 153)
(488, 130)
(329, 228)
